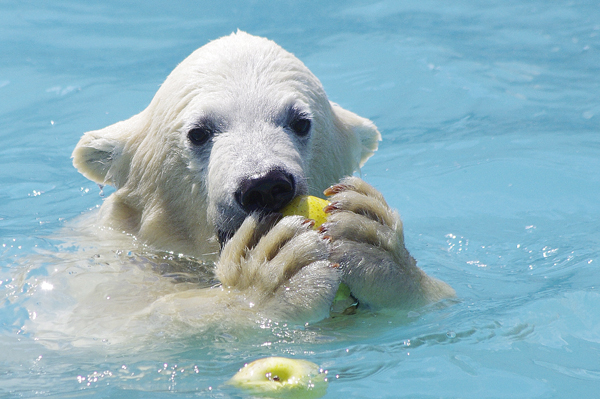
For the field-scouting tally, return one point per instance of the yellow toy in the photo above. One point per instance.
(309, 207)
(282, 378)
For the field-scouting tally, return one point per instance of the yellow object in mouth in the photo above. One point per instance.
(308, 206)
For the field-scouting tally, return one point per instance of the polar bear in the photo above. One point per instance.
(236, 131)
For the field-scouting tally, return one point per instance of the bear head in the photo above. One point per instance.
(239, 126)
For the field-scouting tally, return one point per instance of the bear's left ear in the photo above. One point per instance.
(361, 128)
(100, 154)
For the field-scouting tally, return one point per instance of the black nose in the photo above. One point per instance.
(268, 192)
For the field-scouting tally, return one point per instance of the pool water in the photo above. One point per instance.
(490, 115)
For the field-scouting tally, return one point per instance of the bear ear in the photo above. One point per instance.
(100, 154)
(361, 128)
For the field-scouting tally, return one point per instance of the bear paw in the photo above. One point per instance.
(281, 267)
(367, 241)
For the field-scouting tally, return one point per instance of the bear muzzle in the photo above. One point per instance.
(264, 193)
(267, 192)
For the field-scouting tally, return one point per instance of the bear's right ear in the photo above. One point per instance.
(100, 154)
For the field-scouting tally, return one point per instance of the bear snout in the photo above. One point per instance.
(267, 192)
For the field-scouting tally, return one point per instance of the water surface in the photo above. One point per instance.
(490, 117)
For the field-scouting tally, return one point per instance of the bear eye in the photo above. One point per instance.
(301, 125)
(199, 135)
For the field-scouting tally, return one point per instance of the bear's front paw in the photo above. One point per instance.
(367, 240)
(282, 267)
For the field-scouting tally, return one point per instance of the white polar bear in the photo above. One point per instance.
(236, 131)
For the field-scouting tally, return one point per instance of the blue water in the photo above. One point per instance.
(490, 114)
